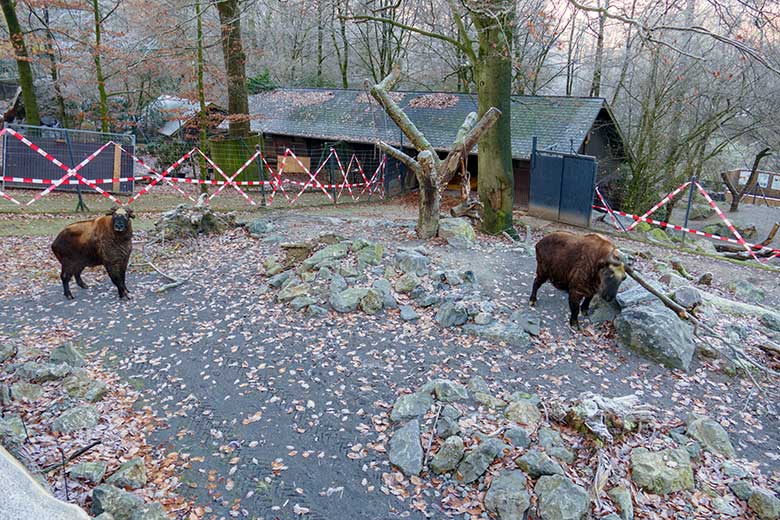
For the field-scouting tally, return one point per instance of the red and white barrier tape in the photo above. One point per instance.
(660, 203)
(726, 221)
(229, 179)
(162, 176)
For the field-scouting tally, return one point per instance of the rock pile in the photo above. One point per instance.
(187, 221)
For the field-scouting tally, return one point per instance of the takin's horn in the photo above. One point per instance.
(616, 258)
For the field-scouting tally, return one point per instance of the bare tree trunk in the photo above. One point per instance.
(235, 65)
(26, 80)
(53, 70)
(595, 86)
(101, 79)
(342, 53)
(201, 99)
(731, 185)
(430, 197)
(570, 56)
(320, 36)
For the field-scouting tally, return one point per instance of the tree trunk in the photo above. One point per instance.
(430, 197)
(53, 70)
(201, 99)
(736, 194)
(320, 36)
(235, 66)
(101, 80)
(26, 80)
(495, 181)
(595, 86)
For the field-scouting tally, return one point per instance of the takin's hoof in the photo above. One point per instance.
(532, 303)
(575, 326)
(69, 296)
(82, 285)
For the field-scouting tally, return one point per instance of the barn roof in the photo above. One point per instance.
(351, 115)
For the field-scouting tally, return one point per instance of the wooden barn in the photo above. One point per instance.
(310, 120)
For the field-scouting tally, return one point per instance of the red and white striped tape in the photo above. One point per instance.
(726, 221)
(161, 176)
(660, 203)
(229, 179)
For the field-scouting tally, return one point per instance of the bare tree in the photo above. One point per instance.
(731, 183)
(26, 80)
(235, 67)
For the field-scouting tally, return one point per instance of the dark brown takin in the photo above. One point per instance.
(105, 240)
(583, 265)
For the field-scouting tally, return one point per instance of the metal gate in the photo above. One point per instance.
(562, 187)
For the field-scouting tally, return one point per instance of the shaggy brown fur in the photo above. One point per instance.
(106, 240)
(584, 265)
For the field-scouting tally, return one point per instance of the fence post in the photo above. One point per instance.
(80, 206)
(262, 174)
(330, 179)
(688, 209)
(5, 159)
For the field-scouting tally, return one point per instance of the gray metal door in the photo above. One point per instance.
(562, 187)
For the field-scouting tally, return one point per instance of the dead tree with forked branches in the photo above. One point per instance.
(433, 174)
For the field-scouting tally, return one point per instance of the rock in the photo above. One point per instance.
(92, 472)
(509, 333)
(733, 470)
(643, 227)
(523, 412)
(530, 324)
(456, 231)
(478, 384)
(411, 262)
(187, 221)
(452, 278)
(26, 391)
(5, 395)
(742, 489)
(259, 226)
(711, 435)
(110, 499)
(726, 507)
(42, 372)
(317, 311)
(348, 299)
(656, 332)
(407, 283)
(292, 292)
(445, 390)
(637, 294)
(483, 318)
(408, 313)
(688, 297)
(662, 472)
(7, 351)
(764, 504)
(405, 449)
(519, 437)
(451, 412)
(82, 386)
(446, 427)
(77, 418)
(68, 355)
(448, 456)
(621, 497)
(272, 266)
(371, 303)
(659, 236)
(536, 463)
(370, 254)
(428, 300)
(705, 279)
(129, 475)
(301, 302)
(701, 211)
(560, 499)
(720, 228)
(476, 462)
(673, 280)
(549, 438)
(278, 279)
(562, 454)
(409, 406)
(770, 321)
(12, 427)
(507, 497)
(601, 311)
(488, 400)
(150, 511)
(383, 286)
(451, 314)
(337, 284)
(326, 254)
(104, 516)
(746, 291)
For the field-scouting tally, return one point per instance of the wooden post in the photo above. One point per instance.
(117, 168)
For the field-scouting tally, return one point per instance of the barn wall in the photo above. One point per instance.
(521, 168)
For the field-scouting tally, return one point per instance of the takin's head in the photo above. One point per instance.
(120, 218)
(612, 272)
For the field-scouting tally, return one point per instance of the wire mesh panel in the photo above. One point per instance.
(70, 147)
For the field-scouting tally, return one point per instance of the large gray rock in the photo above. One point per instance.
(408, 313)
(407, 283)
(446, 390)
(560, 499)
(326, 254)
(77, 418)
(409, 406)
(519, 437)
(278, 279)
(764, 504)
(711, 435)
(536, 464)
(745, 290)
(110, 499)
(701, 211)
(507, 497)
(446, 427)
(26, 391)
(510, 333)
(293, 291)
(12, 427)
(42, 372)
(371, 303)
(448, 456)
(80, 385)
(405, 449)
(601, 311)
(742, 489)
(523, 412)
(661, 472)
(23, 498)
(656, 332)
(621, 497)
(530, 323)
(129, 475)
(368, 253)
(476, 462)
(411, 262)
(258, 226)
(150, 511)
(348, 299)
(92, 472)
(637, 294)
(451, 314)
(688, 297)
(7, 351)
(770, 321)
(457, 231)
(67, 354)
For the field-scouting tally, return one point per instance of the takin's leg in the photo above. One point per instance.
(538, 281)
(79, 281)
(585, 307)
(574, 306)
(65, 276)
(115, 273)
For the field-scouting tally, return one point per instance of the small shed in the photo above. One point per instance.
(310, 118)
(172, 116)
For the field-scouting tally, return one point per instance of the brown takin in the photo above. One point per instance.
(105, 241)
(583, 265)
